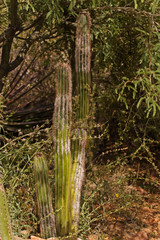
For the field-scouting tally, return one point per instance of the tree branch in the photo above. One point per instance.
(13, 13)
(28, 90)
(126, 10)
(7, 39)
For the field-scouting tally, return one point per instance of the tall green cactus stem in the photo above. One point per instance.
(44, 199)
(83, 62)
(5, 223)
(63, 162)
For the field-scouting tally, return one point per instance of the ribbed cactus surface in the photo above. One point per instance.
(63, 161)
(70, 160)
(78, 172)
(5, 223)
(83, 62)
(44, 199)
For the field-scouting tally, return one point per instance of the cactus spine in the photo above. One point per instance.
(83, 62)
(44, 199)
(63, 162)
(5, 223)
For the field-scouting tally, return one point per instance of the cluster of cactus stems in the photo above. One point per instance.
(44, 198)
(69, 142)
(5, 223)
(69, 154)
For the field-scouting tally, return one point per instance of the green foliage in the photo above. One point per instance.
(126, 68)
(145, 85)
(52, 10)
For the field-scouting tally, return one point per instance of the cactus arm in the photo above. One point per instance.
(45, 209)
(5, 223)
(63, 162)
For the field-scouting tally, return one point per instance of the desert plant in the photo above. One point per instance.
(83, 61)
(70, 161)
(69, 178)
(83, 64)
(5, 223)
(63, 161)
(70, 156)
(44, 200)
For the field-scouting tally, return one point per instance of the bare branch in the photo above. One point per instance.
(14, 82)
(126, 10)
(7, 38)
(28, 90)
(13, 13)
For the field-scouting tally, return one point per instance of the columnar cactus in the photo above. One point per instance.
(5, 223)
(63, 161)
(83, 62)
(70, 160)
(44, 199)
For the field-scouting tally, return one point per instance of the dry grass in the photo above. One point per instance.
(119, 208)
